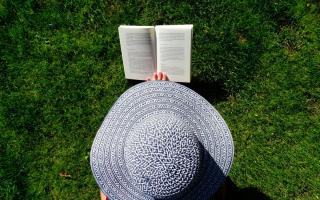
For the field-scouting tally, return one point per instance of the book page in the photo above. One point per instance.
(138, 50)
(174, 51)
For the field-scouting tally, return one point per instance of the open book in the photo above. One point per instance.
(148, 49)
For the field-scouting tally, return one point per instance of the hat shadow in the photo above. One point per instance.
(232, 192)
(212, 91)
(225, 190)
(228, 190)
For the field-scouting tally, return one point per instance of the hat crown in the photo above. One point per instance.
(162, 155)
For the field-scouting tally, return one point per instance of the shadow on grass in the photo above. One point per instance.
(249, 193)
(211, 91)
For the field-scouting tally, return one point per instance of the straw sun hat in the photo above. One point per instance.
(161, 140)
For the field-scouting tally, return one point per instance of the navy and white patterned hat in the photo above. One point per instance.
(161, 140)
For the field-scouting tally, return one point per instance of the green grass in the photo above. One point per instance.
(61, 71)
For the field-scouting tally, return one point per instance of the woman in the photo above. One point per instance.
(200, 166)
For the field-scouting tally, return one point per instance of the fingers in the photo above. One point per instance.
(164, 77)
(160, 75)
(155, 76)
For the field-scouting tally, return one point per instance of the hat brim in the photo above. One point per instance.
(151, 98)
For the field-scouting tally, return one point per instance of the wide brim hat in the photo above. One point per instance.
(161, 140)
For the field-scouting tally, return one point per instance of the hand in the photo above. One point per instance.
(102, 196)
(158, 76)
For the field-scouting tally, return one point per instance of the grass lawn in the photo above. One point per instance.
(257, 62)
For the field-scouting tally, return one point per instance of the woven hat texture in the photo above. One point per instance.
(161, 140)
